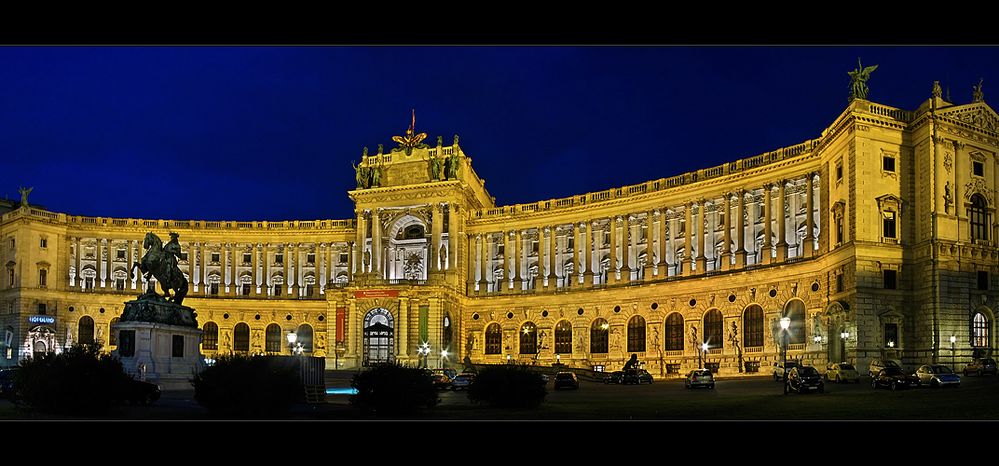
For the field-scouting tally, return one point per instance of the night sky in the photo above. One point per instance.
(269, 133)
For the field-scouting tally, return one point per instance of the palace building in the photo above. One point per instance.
(877, 239)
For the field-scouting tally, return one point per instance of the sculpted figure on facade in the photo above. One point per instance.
(976, 92)
(24, 195)
(858, 80)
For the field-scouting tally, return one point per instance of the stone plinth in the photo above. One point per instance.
(158, 341)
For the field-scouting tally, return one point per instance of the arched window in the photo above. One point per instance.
(85, 335)
(241, 337)
(979, 331)
(210, 336)
(528, 338)
(413, 232)
(795, 309)
(273, 338)
(598, 336)
(636, 335)
(563, 337)
(446, 333)
(494, 339)
(752, 326)
(674, 332)
(713, 335)
(305, 337)
(112, 333)
(979, 217)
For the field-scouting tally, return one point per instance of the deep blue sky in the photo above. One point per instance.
(269, 133)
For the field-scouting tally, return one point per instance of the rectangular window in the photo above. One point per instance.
(213, 289)
(41, 309)
(890, 279)
(278, 258)
(44, 243)
(891, 335)
(309, 290)
(500, 248)
(888, 163)
(42, 277)
(534, 246)
(120, 254)
(839, 229)
(673, 369)
(247, 257)
(10, 278)
(839, 171)
(246, 289)
(12, 244)
(572, 243)
(983, 280)
(216, 257)
(277, 290)
(978, 168)
(889, 224)
(178, 346)
(343, 258)
(839, 283)
(310, 258)
(119, 284)
(88, 283)
(752, 366)
(712, 366)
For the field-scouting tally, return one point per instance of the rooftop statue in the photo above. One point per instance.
(24, 194)
(411, 140)
(858, 80)
(976, 92)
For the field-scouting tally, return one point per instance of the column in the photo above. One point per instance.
(766, 253)
(573, 279)
(376, 243)
(518, 278)
(782, 224)
(671, 241)
(452, 235)
(255, 268)
(552, 276)
(661, 263)
(612, 268)
(702, 262)
(688, 259)
(293, 268)
(321, 278)
(350, 261)
(539, 280)
(626, 248)
(131, 260)
(740, 230)
(265, 270)
(483, 259)
(361, 236)
(808, 243)
(591, 264)
(470, 283)
(436, 227)
(194, 256)
(726, 255)
(102, 261)
(505, 285)
(354, 335)
(650, 229)
(403, 327)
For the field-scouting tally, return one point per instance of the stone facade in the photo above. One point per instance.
(878, 239)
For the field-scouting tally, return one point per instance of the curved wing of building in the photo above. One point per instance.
(876, 240)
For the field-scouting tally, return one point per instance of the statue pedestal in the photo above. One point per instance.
(159, 342)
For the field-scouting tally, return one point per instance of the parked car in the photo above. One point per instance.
(804, 379)
(699, 378)
(779, 369)
(937, 375)
(566, 380)
(462, 381)
(638, 377)
(895, 378)
(545, 378)
(841, 372)
(877, 364)
(450, 373)
(7, 382)
(614, 377)
(142, 393)
(981, 366)
(441, 381)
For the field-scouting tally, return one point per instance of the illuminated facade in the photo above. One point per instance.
(877, 239)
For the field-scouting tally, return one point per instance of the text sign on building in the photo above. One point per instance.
(361, 294)
(41, 319)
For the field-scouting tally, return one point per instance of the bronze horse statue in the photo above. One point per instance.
(161, 262)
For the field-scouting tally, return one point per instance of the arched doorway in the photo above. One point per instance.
(379, 337)
(39, 349)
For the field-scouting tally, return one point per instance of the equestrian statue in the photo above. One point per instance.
(161, 262)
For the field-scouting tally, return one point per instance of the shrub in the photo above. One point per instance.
(80, 380)
(393, 389)
(508, 386)
(249, 386)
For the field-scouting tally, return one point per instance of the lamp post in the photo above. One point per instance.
(443, 357)
(785, 322)
(704, 350)
(292, 338)
(843, 336)
(339, 349)
(508, 359)
(953, 349)
(424, 351)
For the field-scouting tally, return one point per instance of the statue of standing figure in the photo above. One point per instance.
(24, 195)
(858, 80)
(452, 166)
(733, 338)
(376, 176)
(361, 175)
(976, 92)
(443, 257)
(435, 168)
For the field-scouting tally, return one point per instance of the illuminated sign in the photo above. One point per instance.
(376, 294)
(41, 319)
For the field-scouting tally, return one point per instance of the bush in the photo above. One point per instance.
(393, 389)
(80, 380)
(508, 386)
(249, 386)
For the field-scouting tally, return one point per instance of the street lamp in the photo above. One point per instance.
(558, 359)
(704, 350)
(785, 323)
(508, 359)
(339, 349)
(443, 357)
(953, 349)
(891, 343)
(292, 338)
(424, 351)
(843, 336)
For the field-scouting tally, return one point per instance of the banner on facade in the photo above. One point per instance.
(366, 294)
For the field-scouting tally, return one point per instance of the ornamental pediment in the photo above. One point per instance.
(889, 202)
(977, 114)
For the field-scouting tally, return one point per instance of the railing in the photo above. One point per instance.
(796, 347)
(753, 349)
(673, 353)
(896, 113)
(714, 350)
(42, 213)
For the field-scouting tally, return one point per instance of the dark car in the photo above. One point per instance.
(142, 393)
(566, 380)
(7, 382)
(614, 377)
(638, 376)
(441, 381)
(804, 379)
(462, 381)
(981, 366)
(895, 378)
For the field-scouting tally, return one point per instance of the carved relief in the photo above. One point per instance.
(979, 186)
(948, 161)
